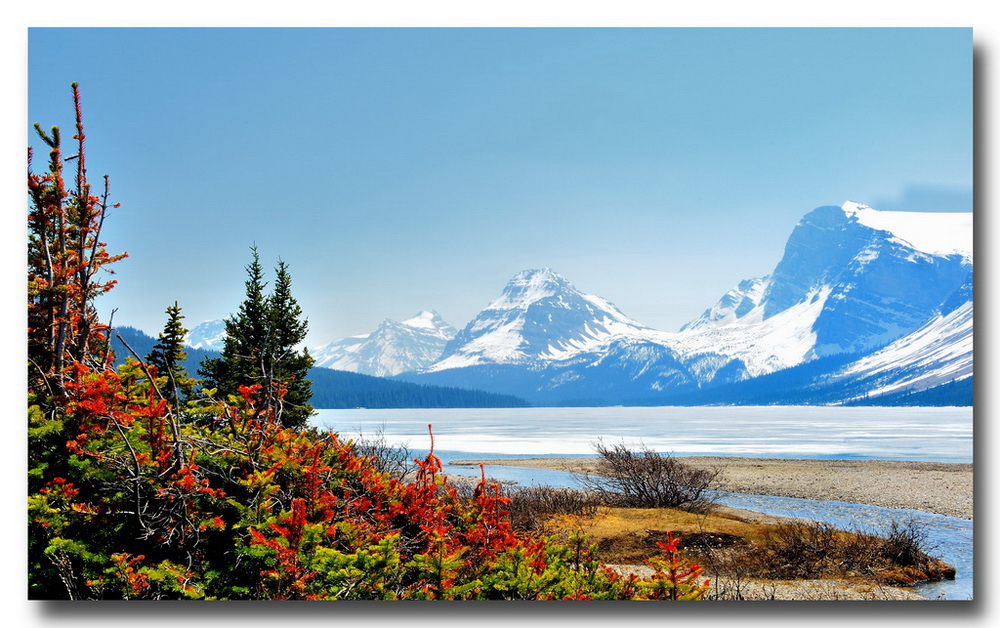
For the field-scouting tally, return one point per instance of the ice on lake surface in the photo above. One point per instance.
(934, 434)
(928, 434)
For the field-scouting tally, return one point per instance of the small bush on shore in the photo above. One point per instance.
(530, 507)
(645, 479)
(811, 550)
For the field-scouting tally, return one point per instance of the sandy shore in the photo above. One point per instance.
(943, 488)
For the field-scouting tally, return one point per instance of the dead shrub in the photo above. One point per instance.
(531, 506)
(646, 479)
(814, 550)
(394, 459)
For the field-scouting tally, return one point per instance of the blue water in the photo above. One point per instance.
(927, 434)
(947, 538)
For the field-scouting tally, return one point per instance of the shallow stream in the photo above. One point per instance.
(947, 538)
(818, 432)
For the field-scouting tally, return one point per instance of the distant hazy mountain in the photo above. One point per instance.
(863, 305)
(393, 348)
(208, 335)
(853, 281)
(339, 389)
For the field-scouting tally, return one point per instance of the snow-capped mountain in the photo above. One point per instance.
(207, 335)
(733, 305)
(938, 352)
(852, 280)
(393, 348)
(539, 316)
(879, 274)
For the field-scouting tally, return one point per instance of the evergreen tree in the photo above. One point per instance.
(259, 348)
(168, 356)
(244, 344)
(289, 366)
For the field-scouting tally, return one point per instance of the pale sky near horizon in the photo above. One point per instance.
(405, 169)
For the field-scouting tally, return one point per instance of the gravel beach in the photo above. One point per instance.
(942, 488)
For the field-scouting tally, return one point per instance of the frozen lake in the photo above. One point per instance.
(934, 434)
(929, 434)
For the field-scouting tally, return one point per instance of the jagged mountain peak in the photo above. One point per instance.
(539, 315)
(852, 278)
(733, 305)
(428, 319)
(529, 286)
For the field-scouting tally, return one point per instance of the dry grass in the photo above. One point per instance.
(762, 559)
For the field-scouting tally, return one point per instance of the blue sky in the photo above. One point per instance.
(403, 169)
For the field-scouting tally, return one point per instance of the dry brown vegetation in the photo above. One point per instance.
(740, 555)
(745, 556)
(634, 499)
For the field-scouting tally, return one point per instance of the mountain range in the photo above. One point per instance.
(393, 348)
(864, 304)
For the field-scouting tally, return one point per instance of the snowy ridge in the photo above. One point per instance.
(852, 280)
(935, 233)
(209, 335)
(539, 317)
(431, 321)
(393, 348)
(762, 344)
(527, 287)
(733, 305)
(938, 352)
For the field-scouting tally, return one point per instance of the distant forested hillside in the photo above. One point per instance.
(958, 393)
(340, 389)
(808, 384)
(142, 343)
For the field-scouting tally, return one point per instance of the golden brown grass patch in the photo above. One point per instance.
(736, 549)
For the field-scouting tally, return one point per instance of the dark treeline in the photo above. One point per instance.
(334, 389)
(342, 389)
(958, 393)
(809, 384)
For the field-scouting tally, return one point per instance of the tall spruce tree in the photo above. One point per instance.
(259, 348)
(168, 356)
(289, 365)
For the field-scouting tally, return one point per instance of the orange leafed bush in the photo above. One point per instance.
(132, 495)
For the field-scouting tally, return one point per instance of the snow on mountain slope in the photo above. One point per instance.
(865, 265)
(207, 335)
(733, 305)
(539, 316)
(762, 344)
(852, 279)
(393, 348)
(936, 233)
(940, 351)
